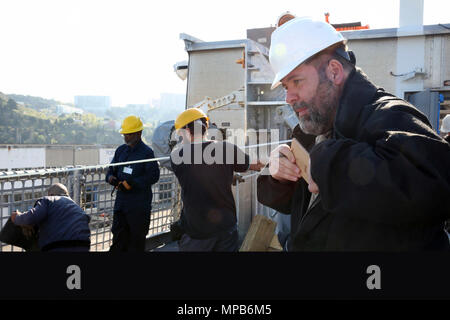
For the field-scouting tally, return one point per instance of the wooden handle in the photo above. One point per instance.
(301, 158)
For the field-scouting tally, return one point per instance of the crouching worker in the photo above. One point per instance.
(63, 225)
(205, 171)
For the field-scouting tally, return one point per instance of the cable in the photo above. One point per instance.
(101, 166)
(265, 144)
(251, 175)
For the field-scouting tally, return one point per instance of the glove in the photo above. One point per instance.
(124, 186)
(114, 181)
(14, 215)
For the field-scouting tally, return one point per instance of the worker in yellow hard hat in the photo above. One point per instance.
(379, 178)
(205, 170)
(132, 208)
(191, 116)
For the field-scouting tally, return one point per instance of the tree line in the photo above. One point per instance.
(21, 124)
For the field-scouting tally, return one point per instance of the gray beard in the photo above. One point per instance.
(321, 110)
(314, 122)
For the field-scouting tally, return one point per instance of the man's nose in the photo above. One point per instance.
(291, 97)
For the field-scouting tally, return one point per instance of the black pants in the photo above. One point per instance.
(129, 230)
(225, 242)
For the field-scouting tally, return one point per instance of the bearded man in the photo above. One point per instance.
(379, 178)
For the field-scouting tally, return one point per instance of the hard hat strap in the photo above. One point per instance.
(347, 55)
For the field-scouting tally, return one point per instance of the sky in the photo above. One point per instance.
(126, 49)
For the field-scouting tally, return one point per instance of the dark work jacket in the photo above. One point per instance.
(59, 218)
(384, 180)
(205, 172)
(142, 177)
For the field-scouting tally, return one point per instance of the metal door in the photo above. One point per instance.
(428, 102)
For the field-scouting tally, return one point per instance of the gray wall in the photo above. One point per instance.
(214, 73)
(377, 58)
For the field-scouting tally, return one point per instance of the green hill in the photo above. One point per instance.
(22, 124)
(37, 103)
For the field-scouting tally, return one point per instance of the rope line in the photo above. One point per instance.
(18, 174)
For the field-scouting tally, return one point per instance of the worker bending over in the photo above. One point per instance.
(63, 225)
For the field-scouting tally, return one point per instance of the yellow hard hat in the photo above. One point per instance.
(189, 115)
(131, 124)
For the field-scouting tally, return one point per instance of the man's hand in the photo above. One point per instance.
(113, 181)
(312, 186)
(13, 215)
(124, 186)
(257, 166)
(282, 165)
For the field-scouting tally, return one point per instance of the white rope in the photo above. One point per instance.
(265, 144)
(251, 175)
(19, 174)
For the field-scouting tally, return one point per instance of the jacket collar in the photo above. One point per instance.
(358, 92)
(136, 147)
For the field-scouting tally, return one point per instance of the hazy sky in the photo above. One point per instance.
(126, 49)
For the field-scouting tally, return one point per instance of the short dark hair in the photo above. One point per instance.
(337, 52)
(191, 126)
(58, 189)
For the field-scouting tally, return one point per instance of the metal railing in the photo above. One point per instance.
(19, 190)
(87, 187)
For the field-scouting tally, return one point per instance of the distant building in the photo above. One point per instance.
(94, 104)
(63, 109)
(169, 105)
(172, 101)
(138, 106)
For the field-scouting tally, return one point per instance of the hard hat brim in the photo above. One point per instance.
(179, 126)
(283, 73)
(189, 115)
(131, 131)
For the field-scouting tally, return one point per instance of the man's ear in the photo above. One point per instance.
(185, 134)
(335, 72)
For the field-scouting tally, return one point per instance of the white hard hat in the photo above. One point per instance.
(445, 128)
(296, 41)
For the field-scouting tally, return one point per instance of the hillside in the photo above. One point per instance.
(37, 103)
(23, 124)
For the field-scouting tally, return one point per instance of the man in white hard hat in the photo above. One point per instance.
(379, 178)
(445, 128)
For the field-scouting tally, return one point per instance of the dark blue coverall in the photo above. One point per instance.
(132, 208)
(63, 225)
